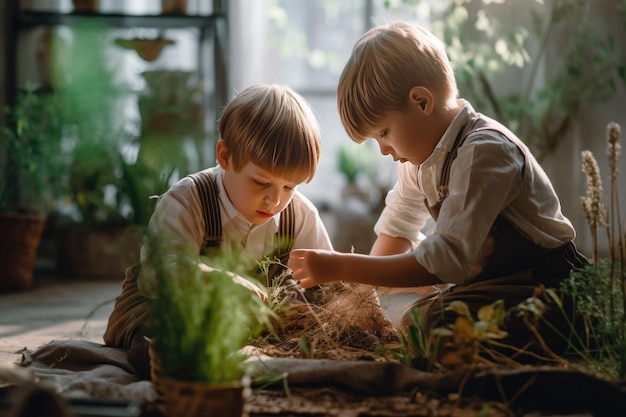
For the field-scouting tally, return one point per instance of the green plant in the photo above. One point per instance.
(35, 168)
(455, 345)
(418, 349)
(93, 98)
(349, 164)
(113, 172)
(109, 188)
(354, 159)
(600, 290)
(199, 321)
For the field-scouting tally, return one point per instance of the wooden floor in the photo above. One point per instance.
(54, 308)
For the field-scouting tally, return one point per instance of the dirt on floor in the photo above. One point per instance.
(325, 401)
(351, 326)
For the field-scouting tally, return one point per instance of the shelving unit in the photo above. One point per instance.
(205, 49)
(213, 30)
(203, 40)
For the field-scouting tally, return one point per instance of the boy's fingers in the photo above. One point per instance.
(306, 283)
(295, 262)
(297, 274)
(296, 254)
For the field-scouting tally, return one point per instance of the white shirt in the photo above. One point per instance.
(490, 176)
(179, 217)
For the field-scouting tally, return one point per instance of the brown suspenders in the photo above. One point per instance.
(208, 192)
(442, 188)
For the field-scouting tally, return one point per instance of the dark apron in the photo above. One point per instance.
(509, 267)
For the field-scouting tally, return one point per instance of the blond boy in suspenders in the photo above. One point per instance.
(247, 205)
(499, 232)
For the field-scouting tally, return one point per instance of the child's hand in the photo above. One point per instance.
(313, 267)
(239, 280)
(251, 286)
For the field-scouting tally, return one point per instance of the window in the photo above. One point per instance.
(305, 44)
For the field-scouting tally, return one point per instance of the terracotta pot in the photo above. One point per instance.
(85, 252)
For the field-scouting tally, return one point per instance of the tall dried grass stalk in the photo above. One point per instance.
(608, 305)
(592, 204)
(616, 234)
(613, 152)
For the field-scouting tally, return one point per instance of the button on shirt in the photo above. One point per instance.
(491, 175)
(179, 217)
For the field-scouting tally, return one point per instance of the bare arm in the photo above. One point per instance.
(314, 267)
(388, 245)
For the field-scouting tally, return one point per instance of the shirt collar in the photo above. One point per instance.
(446, 142)
(458, 123)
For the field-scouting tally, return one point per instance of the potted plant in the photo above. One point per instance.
(32, 179)
(199, 323)
(110, 211)
(108, 201)
(119, 163)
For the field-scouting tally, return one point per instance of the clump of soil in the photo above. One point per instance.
(345, 322)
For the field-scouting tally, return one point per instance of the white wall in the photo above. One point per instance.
(589, 133)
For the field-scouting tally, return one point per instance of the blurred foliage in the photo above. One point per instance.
(101, 185)
(535, 65)
(354, 159)
(76, 146)
(113, 172)
(34, 164)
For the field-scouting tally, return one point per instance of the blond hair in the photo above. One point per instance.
(273, 127)
(385, 64)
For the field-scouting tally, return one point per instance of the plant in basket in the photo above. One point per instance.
(33, 177)
(108, 203)
(199, 323)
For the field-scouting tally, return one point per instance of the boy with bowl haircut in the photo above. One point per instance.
(499, 231)
(247, 206)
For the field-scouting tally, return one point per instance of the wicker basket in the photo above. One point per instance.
(19, 241)
(196, 399)
(97, 253)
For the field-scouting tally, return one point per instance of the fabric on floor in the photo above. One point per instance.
(79, 368)
(83, 368)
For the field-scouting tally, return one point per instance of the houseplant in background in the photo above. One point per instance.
(108, 202)
(33, 178)
(199, 323)
(565, 61)
(120, 163)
